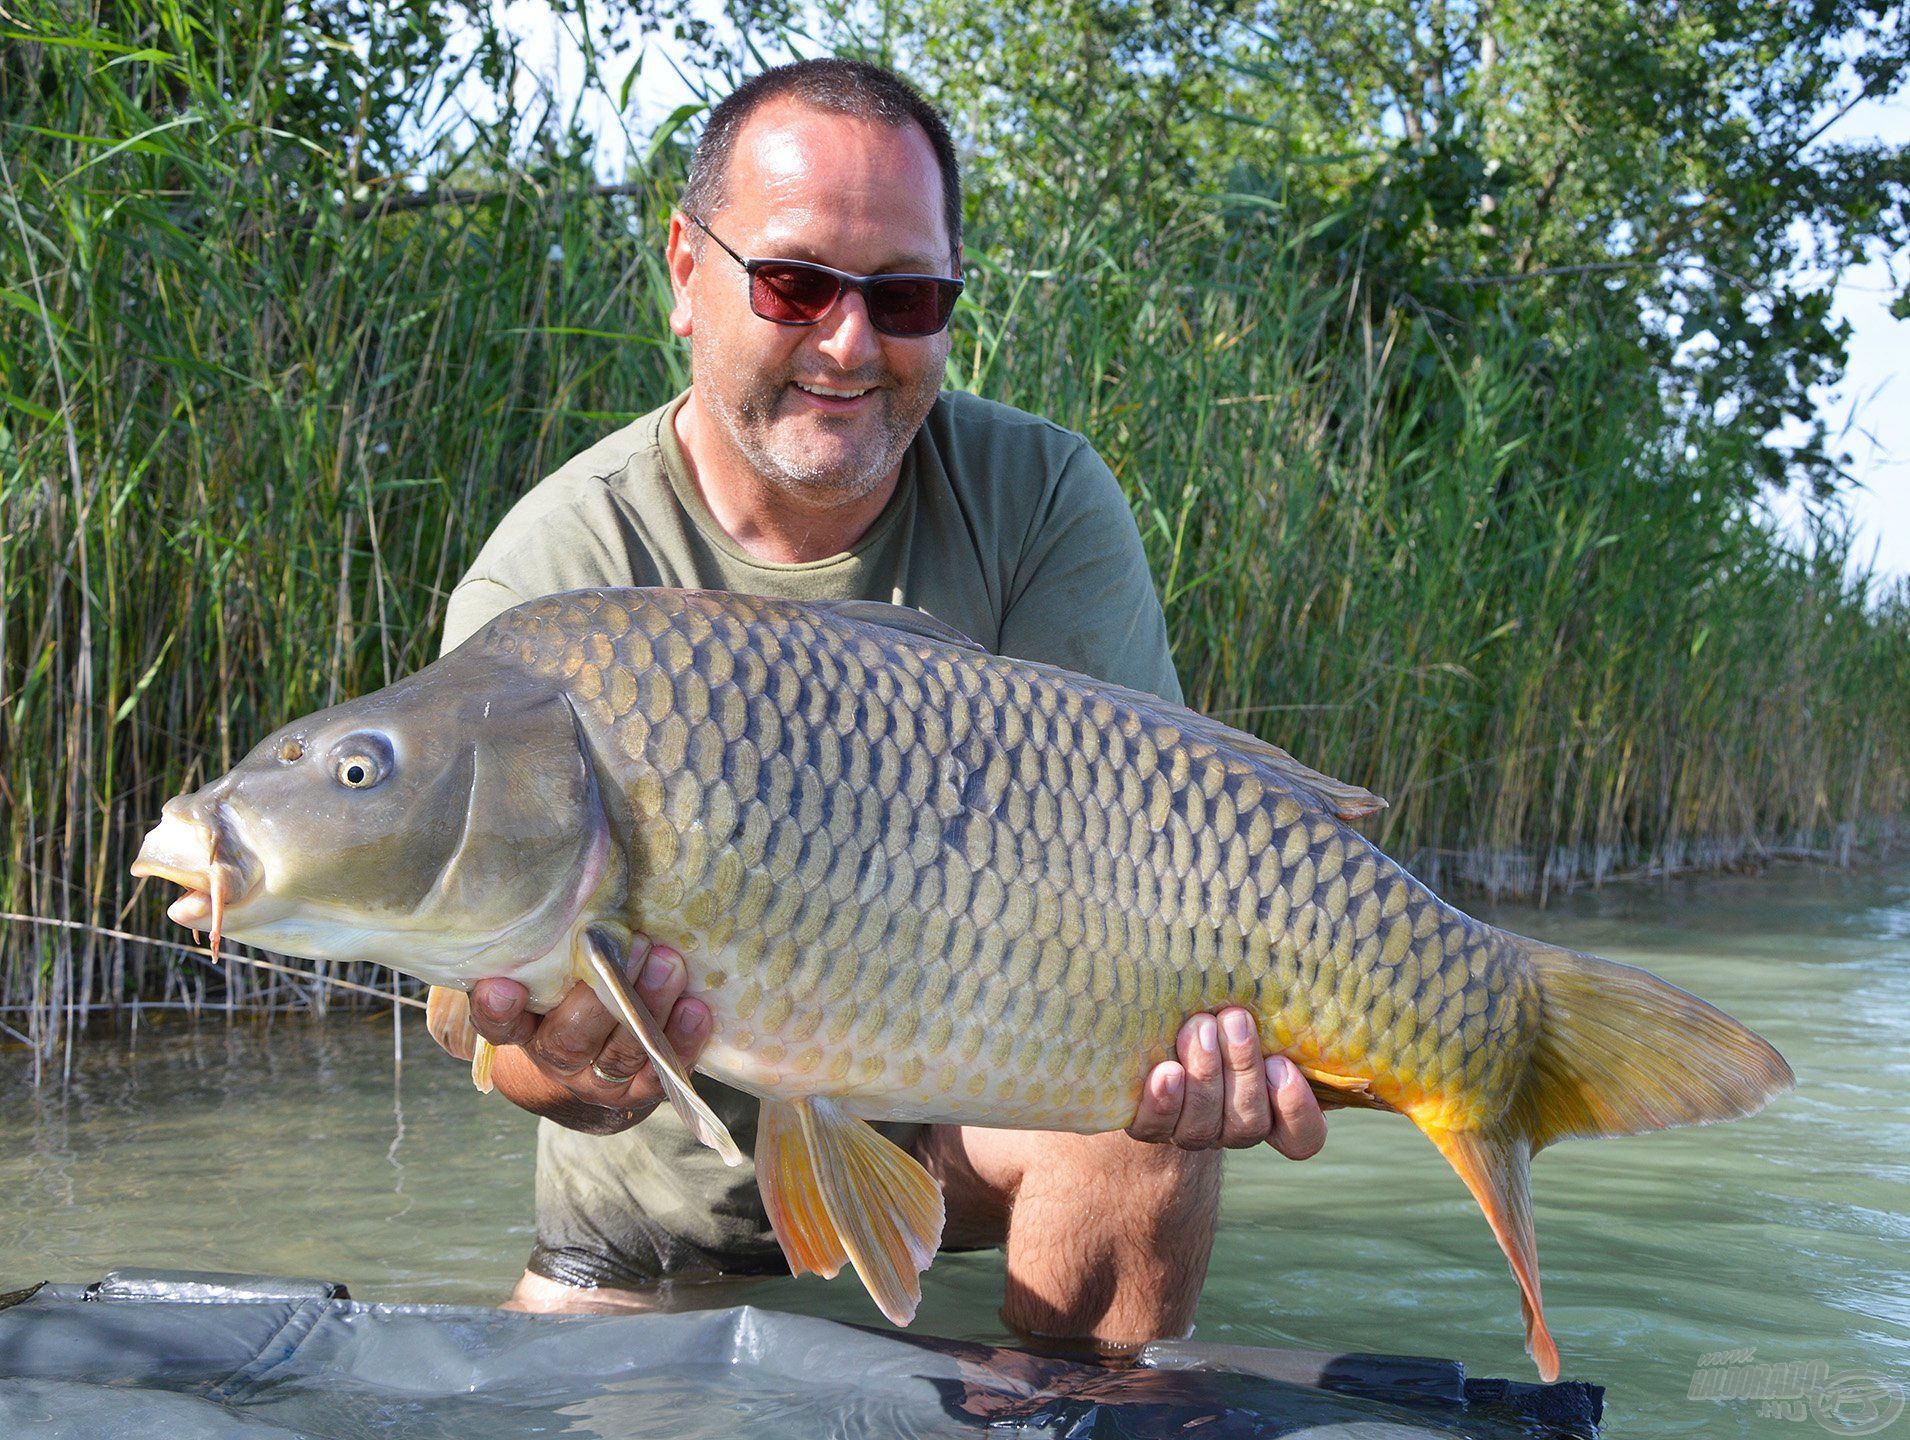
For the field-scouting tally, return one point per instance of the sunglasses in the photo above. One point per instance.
(795, 292)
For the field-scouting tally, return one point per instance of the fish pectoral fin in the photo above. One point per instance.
(836, 1189)
(1495, 1164)
(447, 1016)
(1353, 1091)
(601, 967)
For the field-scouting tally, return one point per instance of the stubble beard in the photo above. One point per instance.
(746, 405)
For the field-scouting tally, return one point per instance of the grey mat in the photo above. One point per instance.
(197, 1357)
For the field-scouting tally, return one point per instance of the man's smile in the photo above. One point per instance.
(832, 399)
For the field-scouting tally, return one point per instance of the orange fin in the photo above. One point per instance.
(1353, 1091)
(836, 1189)
(1495, 1166)
(786, 1174)
(483, 1056)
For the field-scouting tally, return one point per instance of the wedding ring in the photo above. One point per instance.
(618, 1081)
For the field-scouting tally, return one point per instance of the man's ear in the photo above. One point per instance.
(676, 252)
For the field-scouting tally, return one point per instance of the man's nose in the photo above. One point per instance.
(847, 337)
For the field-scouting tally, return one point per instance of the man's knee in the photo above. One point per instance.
(989, 1176)
(540, 1295)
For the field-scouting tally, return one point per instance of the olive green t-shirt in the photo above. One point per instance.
(1004, 525)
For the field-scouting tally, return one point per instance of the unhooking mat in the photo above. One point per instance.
(211, 1357)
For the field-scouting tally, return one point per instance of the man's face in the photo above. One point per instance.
(864, 197)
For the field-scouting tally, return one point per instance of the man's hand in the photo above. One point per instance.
(1220, 1092)
(553, 1065)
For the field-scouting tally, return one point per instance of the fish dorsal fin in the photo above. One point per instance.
(600, 965)
(836, 1189)
(898, 617)
(1348, 802)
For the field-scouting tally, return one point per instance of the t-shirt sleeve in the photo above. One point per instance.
(1082, 597)
(476, 602)
(567, 534)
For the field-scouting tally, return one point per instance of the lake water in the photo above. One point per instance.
(298, 1149)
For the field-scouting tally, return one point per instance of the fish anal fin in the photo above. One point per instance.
(1495, 1164)
(792, 1194)
(600, 964)
(1352, 1091)
(837, 1189)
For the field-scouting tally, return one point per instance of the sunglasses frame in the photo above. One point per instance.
(861, 284)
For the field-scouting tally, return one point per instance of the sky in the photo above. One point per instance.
(1872, 406)
(1870, 409)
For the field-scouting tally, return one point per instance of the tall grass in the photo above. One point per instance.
(1484, 574)
(257, 412)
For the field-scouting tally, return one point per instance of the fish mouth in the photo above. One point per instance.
(187, 850)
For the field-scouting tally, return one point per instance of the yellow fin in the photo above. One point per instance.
(1354, 1091)
(602, 969)
(1618, 1051)
(835, 1188)
(1621, 1051)
(482, 1058)
(1495, 1164)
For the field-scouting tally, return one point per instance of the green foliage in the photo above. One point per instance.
(284, 329)
(1672, 155)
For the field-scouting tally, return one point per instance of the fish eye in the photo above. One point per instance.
(361, 762)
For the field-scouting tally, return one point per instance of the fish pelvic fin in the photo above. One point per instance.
(600, 963)
(836, 1189)
(1620, 1051)
(1495, 1164)
(483, 1057)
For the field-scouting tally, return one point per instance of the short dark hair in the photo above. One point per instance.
(845, 87)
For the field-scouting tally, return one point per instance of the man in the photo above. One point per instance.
(815, 457)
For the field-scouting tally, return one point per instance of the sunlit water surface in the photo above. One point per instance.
(300, 1149)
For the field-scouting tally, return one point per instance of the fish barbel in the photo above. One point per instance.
(916, 881)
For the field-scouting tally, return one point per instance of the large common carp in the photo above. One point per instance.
(915, 881)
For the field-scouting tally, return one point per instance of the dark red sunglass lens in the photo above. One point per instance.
(910, 307)
(792, 292)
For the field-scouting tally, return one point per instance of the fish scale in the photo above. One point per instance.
(916, 881)
(951, 778)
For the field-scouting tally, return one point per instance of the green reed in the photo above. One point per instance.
(257, 413)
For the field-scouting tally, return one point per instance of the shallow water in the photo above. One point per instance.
(299, 1149)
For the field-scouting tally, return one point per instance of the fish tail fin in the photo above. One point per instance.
(1620, 1051)
(1495, 1164)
